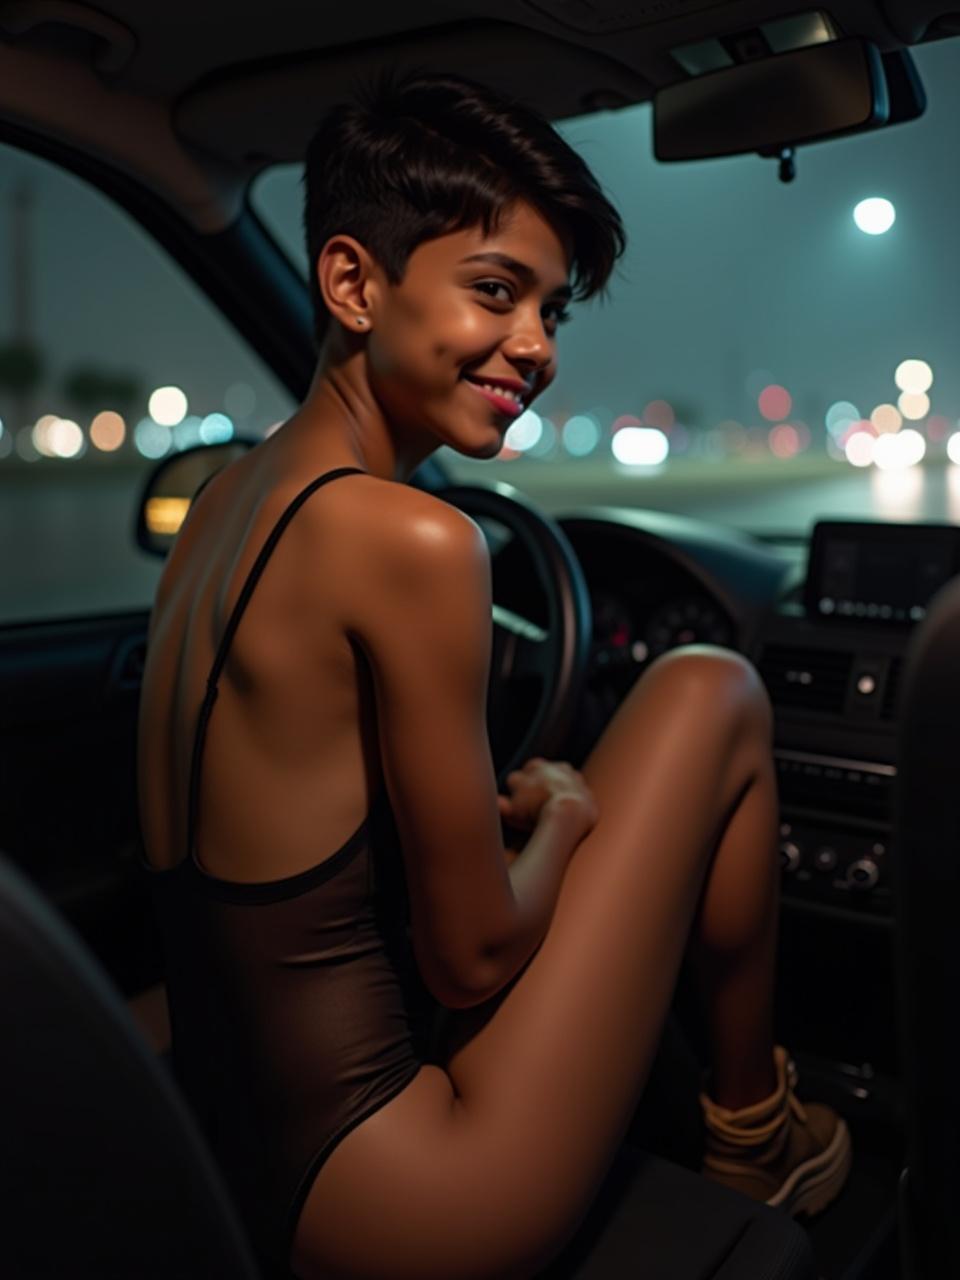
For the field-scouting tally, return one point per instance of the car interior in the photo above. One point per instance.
(151, 158)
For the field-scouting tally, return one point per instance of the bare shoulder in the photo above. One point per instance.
(389, 526)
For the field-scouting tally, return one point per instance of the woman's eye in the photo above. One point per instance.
(560, 313)
(494, 284)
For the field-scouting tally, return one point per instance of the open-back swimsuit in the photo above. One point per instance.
(296, 1006)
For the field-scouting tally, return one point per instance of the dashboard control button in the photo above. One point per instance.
(825, 859)
(862, 874)
(789, 856)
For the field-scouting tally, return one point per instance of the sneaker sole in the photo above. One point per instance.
(818, 1181)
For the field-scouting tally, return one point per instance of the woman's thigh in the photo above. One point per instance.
(481, 1171)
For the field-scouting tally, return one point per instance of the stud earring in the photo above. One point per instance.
(359, 319)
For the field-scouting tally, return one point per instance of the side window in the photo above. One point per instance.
(110, 357)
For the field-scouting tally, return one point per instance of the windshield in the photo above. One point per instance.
(750, 363)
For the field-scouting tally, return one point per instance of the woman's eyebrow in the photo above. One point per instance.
(527, 274)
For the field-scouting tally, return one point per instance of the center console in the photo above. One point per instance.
(832, 663)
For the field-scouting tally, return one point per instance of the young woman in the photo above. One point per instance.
(318, 801)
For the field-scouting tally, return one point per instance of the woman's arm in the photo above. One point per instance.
(422, 615)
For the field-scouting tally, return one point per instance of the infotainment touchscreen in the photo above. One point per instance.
(878, 572)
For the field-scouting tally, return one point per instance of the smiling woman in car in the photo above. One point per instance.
(318, 801)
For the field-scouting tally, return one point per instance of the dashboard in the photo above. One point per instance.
(827, 626)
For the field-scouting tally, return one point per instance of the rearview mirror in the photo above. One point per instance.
(172, 486)
(768, 104)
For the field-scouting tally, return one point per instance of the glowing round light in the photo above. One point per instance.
(860, 448)
(874, 216)
(152, 438)
(886, 418)
(953, 448)
(524, 432)
(186, 434)
(40, 435)
(774, 402)
(896, 452)
(216, 428)
(840, 416)
(784, 441)
(167, 406)
(913, 405)
(64, 438)
(913, 447)
(640, 446)
(581, 435)
(108, 431)
(660, 414)
(239, 400)
(913, 375)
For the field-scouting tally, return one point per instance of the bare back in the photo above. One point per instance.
(291, 761)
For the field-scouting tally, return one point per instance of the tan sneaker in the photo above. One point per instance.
(792, 1156)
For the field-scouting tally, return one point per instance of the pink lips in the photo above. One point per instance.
(503, 403)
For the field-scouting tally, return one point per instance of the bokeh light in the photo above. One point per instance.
(167, 406)
(784, 441)
(953, 448)
(640, 447)
(840, 416)
(895, 452)
(524, 431)
(581, 435)
(108, 431)
(775, 402)
(152, 439)
(659, 414)
(938, 427)
(913, 405)
(886, 418)
(875, 215)
(914, 375)
(547, 442)
(216, 428)
(860, 448)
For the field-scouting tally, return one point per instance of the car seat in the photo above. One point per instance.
(105, 1173)
(926, 890)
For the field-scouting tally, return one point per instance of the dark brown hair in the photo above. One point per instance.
(422, 154)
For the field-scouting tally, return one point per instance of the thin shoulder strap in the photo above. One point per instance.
(253, 577)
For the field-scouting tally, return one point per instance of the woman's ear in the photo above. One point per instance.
(345, 274)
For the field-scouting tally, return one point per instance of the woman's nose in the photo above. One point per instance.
(529, 340)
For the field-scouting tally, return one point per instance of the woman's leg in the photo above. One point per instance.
(483, 1171)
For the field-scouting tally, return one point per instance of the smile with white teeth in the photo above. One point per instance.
(498, 391)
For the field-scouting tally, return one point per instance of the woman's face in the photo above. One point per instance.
(470, 310)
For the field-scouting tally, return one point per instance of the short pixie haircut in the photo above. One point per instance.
(422, 154)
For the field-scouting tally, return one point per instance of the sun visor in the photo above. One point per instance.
(267, 113)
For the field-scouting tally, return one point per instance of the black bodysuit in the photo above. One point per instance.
(296, 1006)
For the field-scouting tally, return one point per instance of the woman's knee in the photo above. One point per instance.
(715, 681)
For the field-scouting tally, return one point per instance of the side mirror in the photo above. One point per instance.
(768, 104)
(172, 486)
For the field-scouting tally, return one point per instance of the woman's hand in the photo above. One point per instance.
(540, 781)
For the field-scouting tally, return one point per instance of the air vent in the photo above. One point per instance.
(808, 679)
(891, 693)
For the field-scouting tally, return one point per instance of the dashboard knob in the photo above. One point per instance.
(863, 874)
(789, 856)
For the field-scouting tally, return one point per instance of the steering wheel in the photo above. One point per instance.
(553, 658)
